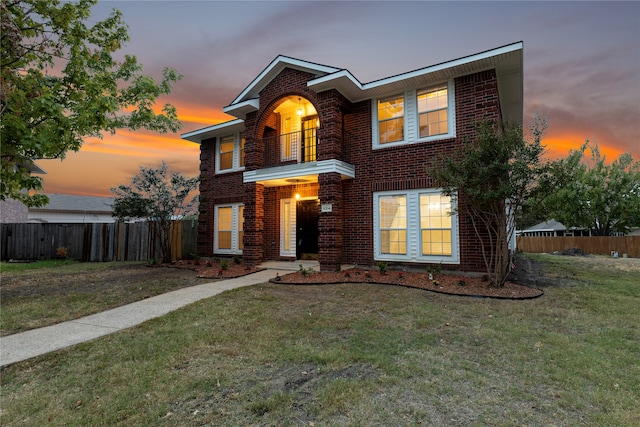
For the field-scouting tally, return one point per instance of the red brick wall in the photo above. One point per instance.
(214, 190)
(403, 168)
(345, 133)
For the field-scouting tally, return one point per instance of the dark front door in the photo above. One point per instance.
(307, 216)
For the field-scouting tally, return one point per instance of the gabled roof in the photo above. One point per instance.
(273, 69)
(506, 60)
(70, 203)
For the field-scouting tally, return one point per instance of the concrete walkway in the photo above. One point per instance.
(25, 345)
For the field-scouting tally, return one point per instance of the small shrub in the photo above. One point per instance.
(216, 260)
(434, 269)
(224, 264)
(208, 263)
(305, 271)
(62, 252)
(367, 274)
(400, 275)
(347, 275)
(383, 267)
(237, 259)
(462, 283)
(485, 277)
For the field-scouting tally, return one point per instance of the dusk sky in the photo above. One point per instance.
(581, 66)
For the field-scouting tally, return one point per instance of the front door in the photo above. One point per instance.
(307, 216)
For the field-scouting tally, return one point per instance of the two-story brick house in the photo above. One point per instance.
(318, 163)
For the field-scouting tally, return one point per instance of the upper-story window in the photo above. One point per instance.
(230, 153)
(417, 115)
(391, 119)
(432, 111)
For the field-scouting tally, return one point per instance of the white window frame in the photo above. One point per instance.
(411, 118)
(414, 235)
(237, 152)
(235, 229)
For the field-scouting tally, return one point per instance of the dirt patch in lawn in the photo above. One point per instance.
(127, 278)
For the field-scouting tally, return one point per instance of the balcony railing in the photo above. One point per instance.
(290, 148)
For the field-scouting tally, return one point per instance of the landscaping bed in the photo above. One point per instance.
(443, 282)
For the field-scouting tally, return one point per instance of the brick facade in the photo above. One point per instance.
(346, 231)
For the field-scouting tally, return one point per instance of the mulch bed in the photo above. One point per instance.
(213, 269)
(444, 283)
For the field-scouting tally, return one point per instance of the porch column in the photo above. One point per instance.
(330, 222)
(253, 251)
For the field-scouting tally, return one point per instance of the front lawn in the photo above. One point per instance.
(357, 354)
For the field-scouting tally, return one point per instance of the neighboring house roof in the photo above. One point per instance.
(33, 168)
(72, 203)
(506, 60)
(551, 225)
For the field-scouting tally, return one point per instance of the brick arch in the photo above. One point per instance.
(265, 114)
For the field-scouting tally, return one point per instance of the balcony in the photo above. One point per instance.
(290, 148)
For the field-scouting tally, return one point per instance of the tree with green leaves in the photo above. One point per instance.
(490, 178)
(593, 195)
(158, 196)
(60, 83)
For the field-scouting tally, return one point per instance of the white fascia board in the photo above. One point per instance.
(279, 63)
(282, 172)
(215, 130)
(355, 91)
(443, 66)
(241, 109)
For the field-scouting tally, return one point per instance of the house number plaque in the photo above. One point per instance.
(326, 207)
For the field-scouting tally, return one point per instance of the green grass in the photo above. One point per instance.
(356, 355)
(9, 267)
(43, 293)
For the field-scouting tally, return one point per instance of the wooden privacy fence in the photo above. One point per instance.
(94, 241)
(597, 245)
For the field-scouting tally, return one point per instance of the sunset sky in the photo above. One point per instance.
(581, 66)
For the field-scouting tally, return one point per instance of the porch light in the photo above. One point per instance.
(297, 196)
(300, 111)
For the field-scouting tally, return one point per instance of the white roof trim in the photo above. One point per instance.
(313, 169)
(242, 108)
(279, 63)
(355, 91)
(216, 130)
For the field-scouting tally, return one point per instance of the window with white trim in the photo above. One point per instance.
(435, 225)
(415, 226)
(417, 115)
(230, 153)
(391, 119)
(393, 224)
(229, 228)
(432, 112)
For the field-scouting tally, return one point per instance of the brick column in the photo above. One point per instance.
(253, 252)
(330, 223)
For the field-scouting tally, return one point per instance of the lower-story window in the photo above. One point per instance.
(415, 225)
(229, 228)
